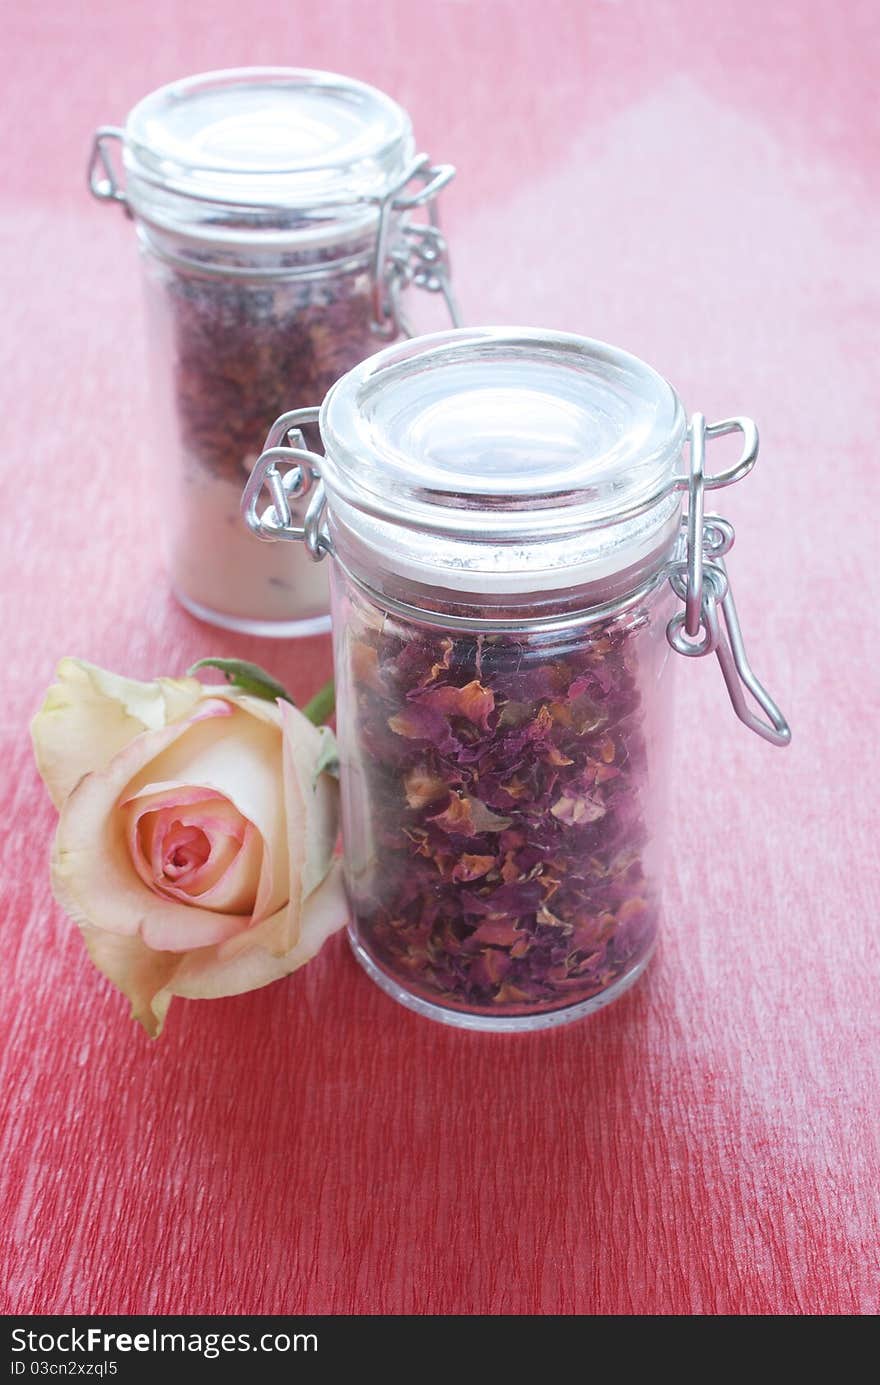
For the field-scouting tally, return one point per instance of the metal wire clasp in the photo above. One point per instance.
(700, 580)
(419, 253)
(106, 188)
(291, 474)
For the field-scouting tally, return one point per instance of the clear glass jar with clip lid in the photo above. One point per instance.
(281, 214)
(518, 544)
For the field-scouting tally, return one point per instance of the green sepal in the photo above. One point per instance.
(250, 678)
(322, 704)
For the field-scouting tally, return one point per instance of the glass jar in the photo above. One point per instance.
(277, 213)
(512, 572)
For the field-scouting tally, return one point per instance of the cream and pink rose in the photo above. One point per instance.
(196, 833)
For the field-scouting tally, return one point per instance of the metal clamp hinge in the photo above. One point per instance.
(291, 475)
(700, 580)
(103, 178)
(419, 253)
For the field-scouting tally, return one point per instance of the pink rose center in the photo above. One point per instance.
(185, 849)
(195, 847)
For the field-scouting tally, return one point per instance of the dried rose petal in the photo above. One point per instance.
(422, 787)
(247, 347)
(472, 867)
(504, 781)
(473, 701)
(365, 664)
(574, 807)
(468, 816)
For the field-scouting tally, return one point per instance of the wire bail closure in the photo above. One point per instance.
(700, 580)
(412, 252)
(420, 255)
(106, 188)
(709, 623)
(289, 489)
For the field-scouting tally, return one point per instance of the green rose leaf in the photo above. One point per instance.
(256, 681)
(249, 677)
(322, 704)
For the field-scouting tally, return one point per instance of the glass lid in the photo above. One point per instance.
(270, 137)
(501, 434)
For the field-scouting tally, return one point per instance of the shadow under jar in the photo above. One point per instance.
(281, 216)
(512, 573)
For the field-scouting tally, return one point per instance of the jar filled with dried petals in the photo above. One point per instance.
(519, 549)
(281, 214)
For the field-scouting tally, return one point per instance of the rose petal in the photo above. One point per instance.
(312, 813)
(229, 879)
(320, 796)
(155, 813)
(245, 765)
(422, 787)
(89, 715)
(218, 972)
(209, 862)
(150, 979)
(574, 808)
(472, 867)
(473, 701)
(92, 872)
(230, 897)
(135, 969)
(468, 817)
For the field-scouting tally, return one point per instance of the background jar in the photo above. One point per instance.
(504, 512)
(281, 216)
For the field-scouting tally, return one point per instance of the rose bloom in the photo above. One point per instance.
(196, 833)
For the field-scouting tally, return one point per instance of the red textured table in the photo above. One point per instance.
(693, 182)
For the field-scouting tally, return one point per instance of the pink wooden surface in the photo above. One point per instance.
(694, 182)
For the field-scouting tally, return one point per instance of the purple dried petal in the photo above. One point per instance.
(473, 702)
(468, 817)
(505, 793)
(574, 807)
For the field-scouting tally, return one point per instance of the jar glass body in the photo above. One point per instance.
(502, 510)
(504, 802)
(237, 334)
